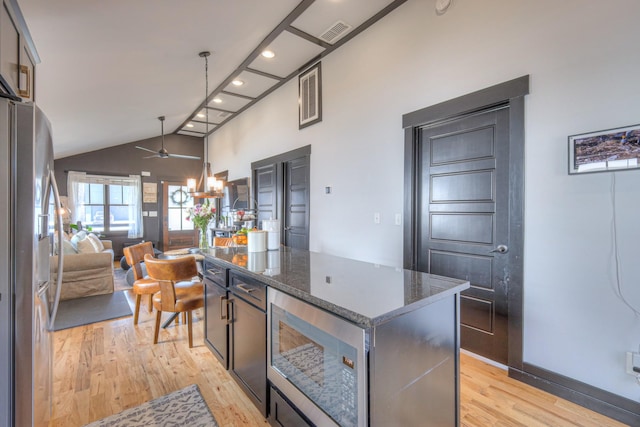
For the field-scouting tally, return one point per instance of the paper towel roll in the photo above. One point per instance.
(256, 241)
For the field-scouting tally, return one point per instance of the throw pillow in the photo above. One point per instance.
(74, 241)
(67, 248)
(86, 247)
(95, 241)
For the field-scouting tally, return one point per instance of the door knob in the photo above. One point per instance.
(287, 228)
(501, 249)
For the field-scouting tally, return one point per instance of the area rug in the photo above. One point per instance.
(120, 279)
(184, 408)
(83, 311)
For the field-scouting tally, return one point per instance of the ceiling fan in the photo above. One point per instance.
(162, 153)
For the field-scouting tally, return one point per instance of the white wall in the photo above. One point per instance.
(582, 56)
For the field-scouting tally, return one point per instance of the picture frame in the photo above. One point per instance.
(310, 96)
(605, 151)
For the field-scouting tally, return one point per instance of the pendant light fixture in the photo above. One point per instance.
(208, 186)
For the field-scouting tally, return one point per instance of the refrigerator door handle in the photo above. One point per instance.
(58, 213)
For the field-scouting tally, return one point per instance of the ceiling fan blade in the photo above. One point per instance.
(152, 157)
(146, 149)
(183, 156)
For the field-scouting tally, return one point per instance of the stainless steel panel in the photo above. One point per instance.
(415, 368)
(6, 314)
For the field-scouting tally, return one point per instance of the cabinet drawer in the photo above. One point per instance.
(216, 273)
(250, 290)
(282, 413)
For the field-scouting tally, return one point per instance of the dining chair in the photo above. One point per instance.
(222, 241)
(180, 289)
(142, 284)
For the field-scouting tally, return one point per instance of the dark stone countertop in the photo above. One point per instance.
(364, 293)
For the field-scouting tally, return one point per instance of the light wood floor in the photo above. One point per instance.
(104, 368)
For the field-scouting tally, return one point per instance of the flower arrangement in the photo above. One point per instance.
(201, 215)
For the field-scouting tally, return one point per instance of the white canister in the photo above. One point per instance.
(256, 241)
(272, 227)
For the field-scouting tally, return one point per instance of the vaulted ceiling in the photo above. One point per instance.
(110, 68)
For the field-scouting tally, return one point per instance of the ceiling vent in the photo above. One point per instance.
(223, 114)
(335, 32)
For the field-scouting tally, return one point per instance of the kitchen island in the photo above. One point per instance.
(399, 362)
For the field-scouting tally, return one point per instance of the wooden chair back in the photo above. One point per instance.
(135, 255)
(169, 271)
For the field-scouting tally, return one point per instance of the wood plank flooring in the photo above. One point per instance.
(104, 368)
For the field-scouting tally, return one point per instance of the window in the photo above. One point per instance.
(107, 204)
(179, 202)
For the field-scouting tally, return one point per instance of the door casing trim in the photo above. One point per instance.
(511, 93)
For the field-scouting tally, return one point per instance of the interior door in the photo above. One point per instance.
(463, 220)
(177, 232)
(282, 192)
(296, 203)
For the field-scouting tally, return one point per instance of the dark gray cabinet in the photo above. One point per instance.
(216, 313)
(248, 337)
(16, 63)
(282, 413)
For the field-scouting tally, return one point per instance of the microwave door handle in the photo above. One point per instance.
(58, 213)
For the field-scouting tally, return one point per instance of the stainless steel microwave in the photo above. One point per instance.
(318, 360)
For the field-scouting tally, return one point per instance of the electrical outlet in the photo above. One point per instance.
(398, 219)
(633, 363)
(376, 218)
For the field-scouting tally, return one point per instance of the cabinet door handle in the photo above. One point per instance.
(245, 289)
(229, 311)
(222, 299)
(213, 272)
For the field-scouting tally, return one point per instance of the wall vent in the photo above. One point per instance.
(335, 32)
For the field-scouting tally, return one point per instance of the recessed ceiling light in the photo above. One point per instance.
(268, 53)
(237, 82)
(189, 125)
(217, 100)
(200, 115)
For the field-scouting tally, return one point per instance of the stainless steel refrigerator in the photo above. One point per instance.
(29, 218)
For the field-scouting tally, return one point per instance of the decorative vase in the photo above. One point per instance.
(204, 242)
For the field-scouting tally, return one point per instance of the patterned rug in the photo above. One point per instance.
(183, 408)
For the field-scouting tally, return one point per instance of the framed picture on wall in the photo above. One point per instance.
(310, 97)
(605, 150)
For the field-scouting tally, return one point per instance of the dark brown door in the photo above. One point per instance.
(296, 203)
(463, 220)
(177, 232)
(281, 189)
(266, 182)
